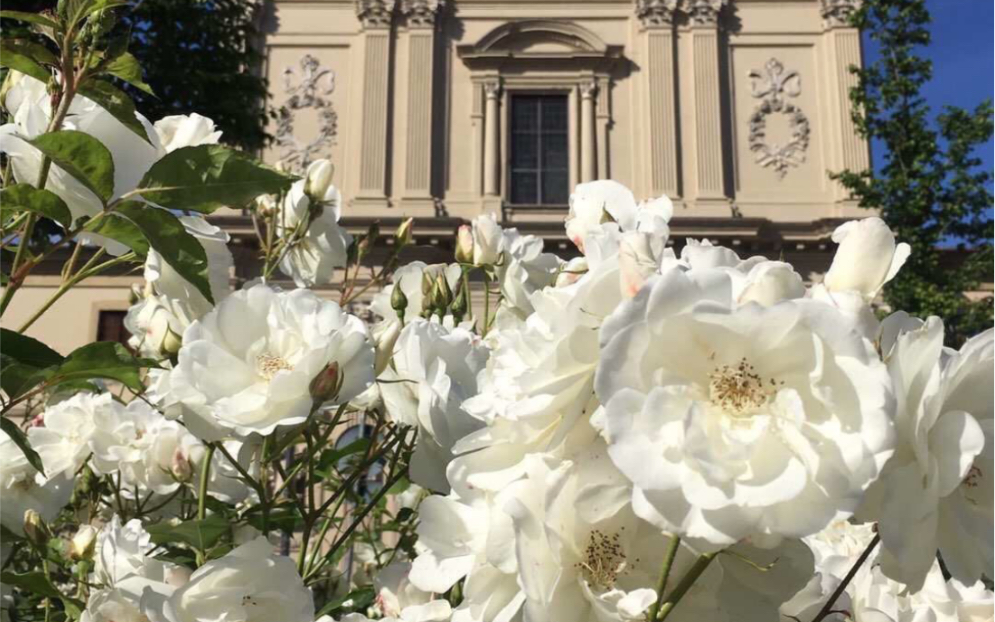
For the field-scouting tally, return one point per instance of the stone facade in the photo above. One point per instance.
(733, 108)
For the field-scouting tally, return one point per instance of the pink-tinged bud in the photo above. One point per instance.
(464, 244)
(180, 466)
(403, 235)
(637, 262)
(83, 543)
(572, 272)
(38, 421)
(325, 386)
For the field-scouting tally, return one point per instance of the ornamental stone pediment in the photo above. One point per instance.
(529, 40)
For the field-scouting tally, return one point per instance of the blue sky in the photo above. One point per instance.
(961, 52)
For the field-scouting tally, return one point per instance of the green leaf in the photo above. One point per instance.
(37, 583)
(116, 102)
(27, 350)
(126, 67)
(18, 55)
(102, 359)
(16, 378)
(32, 18)
(201, 534)
(21, 440)
(167, 235)
(332, 457)
(82, 156)
(25, 197)
(207, 177)
(120, 229)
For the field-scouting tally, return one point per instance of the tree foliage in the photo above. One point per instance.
(198, 56)
(930, 188)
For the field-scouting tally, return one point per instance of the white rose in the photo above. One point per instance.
(770, 282)
(184, 300)
(131, 154)
(318, 182)
(250, 584)
(866, 259)
(313, 206)
(713, 416)
(183, 130)
(23, 488)
(434, 370)
(263, 348)
(637, 261)
(488, 239)
(594, 203)
(64, 441)
(936, 492)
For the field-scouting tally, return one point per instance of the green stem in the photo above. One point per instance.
(668, 562)
(68, 91)
(685, 584)
(205, 474)
(85, 273)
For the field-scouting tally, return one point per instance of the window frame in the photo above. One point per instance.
(509, 93)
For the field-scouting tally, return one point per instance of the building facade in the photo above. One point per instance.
(734, 109)
(445, 110)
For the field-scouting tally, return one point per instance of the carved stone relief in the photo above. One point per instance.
(773, 86)
(837, 13)
(309, 86)
(656, 13)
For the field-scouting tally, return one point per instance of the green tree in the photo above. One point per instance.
(930, 187)
(198, 56)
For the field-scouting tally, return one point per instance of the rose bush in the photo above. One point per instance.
(633, 434)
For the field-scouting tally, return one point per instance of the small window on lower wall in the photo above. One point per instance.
(110, 326)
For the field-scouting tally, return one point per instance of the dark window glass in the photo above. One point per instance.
(110, 327)
(371, 480)
(539, 150)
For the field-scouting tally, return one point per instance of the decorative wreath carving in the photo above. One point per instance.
(773, 87)
(308, 88)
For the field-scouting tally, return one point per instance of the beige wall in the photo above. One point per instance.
(72, 321)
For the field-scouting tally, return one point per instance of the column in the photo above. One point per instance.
(709, 174)
(658, 25)
(492, 154)
(588, 165)
(420, 16)
(376, 17)
(844, 46)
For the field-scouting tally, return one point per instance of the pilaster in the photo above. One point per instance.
(657, 18)
(376, 17)
(703, 16)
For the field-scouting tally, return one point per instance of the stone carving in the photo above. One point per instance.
(837, 13)
(588, 89)
(492, 89)
(308, 87)
(421, 13)
(773, 86)
(656, 13)
(375, 13)
(703, 12)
